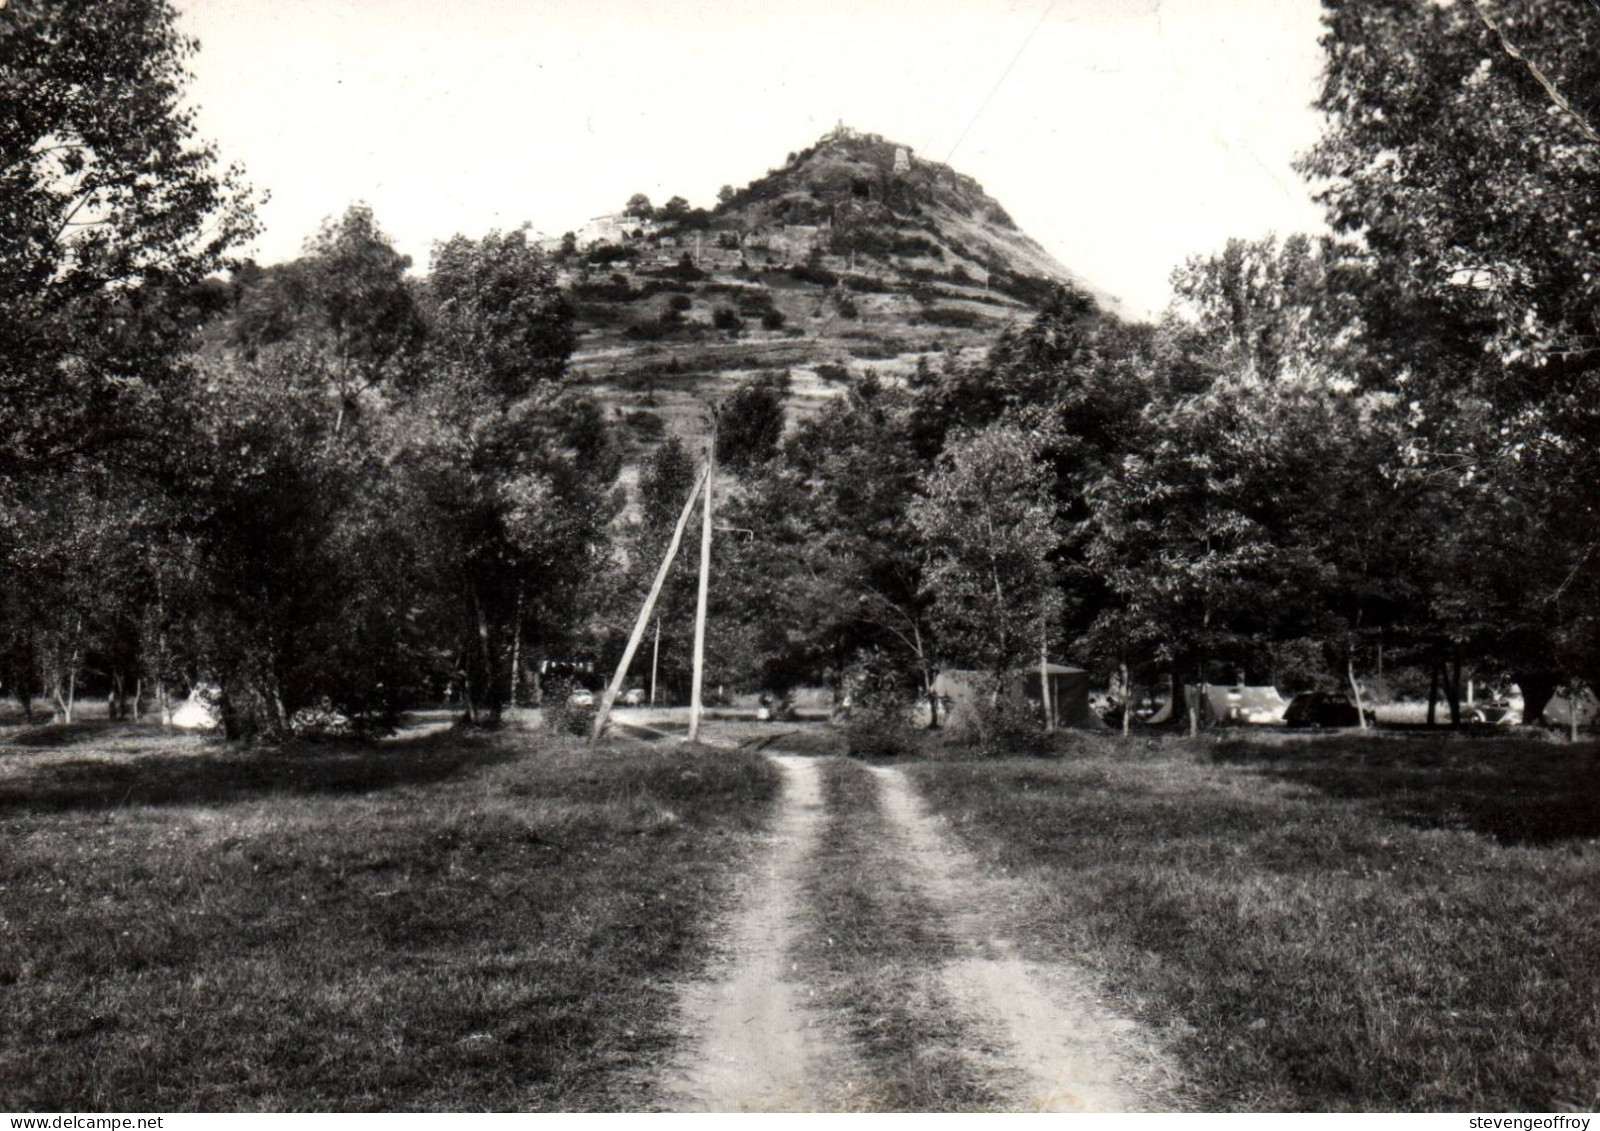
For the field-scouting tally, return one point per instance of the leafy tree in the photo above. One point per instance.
(664, 483)
(1458, 163)
(750, 422)
(516, 473)
(639, 206)
(113, 215)
(501, 325)
(348, 296)
(113, 219)
(725, 194)
(829, 569)
(673, 210)
(986, 514)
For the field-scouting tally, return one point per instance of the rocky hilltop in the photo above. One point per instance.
(855, 254)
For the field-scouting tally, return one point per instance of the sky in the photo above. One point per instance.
(1123, 135)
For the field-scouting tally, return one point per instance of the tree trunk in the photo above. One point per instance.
(1452, 689)
(491, 685)
(1044, 683)
(1537, 688)
(1433, 692)
(516, 650)
(1127, 702)
(466, 693)
(1355, 690)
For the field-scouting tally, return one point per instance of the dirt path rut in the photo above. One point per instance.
(755, 1049)
(1056, 1038)
(759, 1043)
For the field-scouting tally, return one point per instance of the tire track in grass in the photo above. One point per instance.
(1064, 1049)
(876, 948)
(753, 1047)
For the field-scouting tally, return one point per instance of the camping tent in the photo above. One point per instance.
(1238, 703)
(962, 690)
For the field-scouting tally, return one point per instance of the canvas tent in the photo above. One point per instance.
(962, 691)
(1243, 704)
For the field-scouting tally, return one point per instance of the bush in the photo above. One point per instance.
(607, 253)
(845, 305)
(883, 731)
(952, 316)
(772, 319)
(725, 318)
(560, 716)
(1008, 728)
(880, 724)
(805, 273)
(680, 302)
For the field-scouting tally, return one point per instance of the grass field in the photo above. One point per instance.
(457, 922)
(1329, 924)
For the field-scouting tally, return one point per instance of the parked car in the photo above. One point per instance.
(1494, 712)
(1323, 709)
(581, 697)
(633, 697)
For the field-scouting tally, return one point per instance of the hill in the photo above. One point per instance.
(855, 254)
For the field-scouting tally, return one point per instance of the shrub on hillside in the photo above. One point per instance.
(725, 318)
(607, 253)
(952, 316)
(806, 273)
(772, 319)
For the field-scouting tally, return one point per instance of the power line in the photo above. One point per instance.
(1003, 76)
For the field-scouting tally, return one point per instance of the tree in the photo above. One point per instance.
(112, 213)
(113, 219)
(349, 297)
(516, 472)
(501, 323)
(1458, 164)
(986, 514)
(750, 422)
(725, 195)
(829, 569)
(664, 483)
(673, 210)
(638, 206)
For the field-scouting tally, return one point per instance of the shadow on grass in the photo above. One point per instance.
(1519, 792)
(132, 764)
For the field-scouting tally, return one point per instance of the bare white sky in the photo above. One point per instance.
(1125, 136)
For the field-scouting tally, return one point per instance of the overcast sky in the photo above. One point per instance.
(1124, 135)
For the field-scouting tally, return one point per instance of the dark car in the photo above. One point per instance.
(1322, 709)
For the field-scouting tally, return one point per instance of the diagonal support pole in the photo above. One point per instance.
(615, 686)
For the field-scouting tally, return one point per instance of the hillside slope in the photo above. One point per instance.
(854, 255)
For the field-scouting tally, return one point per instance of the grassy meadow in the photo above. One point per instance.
(1339, 923)
(458, 922)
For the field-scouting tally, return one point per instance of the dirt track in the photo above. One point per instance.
(759, 1042)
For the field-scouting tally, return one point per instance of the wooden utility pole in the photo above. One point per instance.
(705, 588)
(615, 686)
